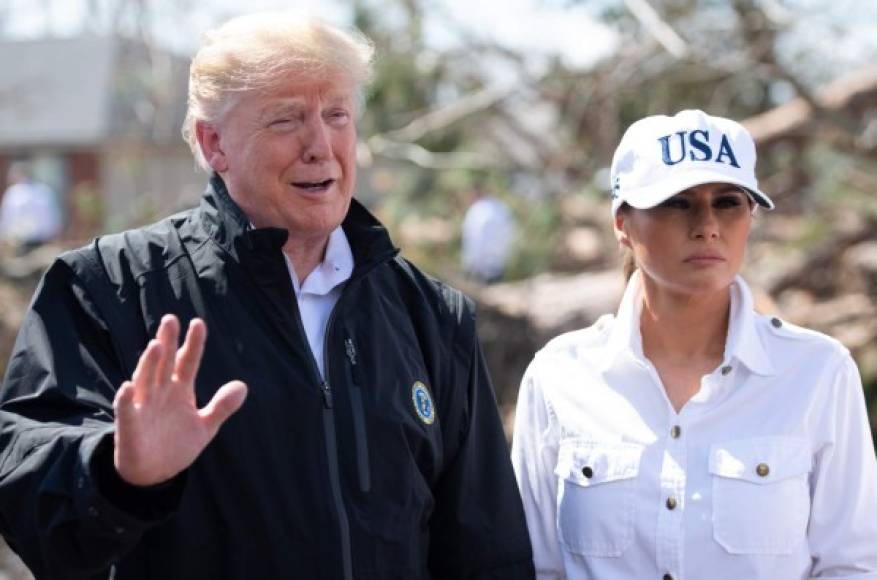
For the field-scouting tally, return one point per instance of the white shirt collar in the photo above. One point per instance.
(743, 342)
(335, 269)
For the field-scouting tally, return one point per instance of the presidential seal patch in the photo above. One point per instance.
(423, 403)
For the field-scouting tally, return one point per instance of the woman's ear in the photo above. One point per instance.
(619, 225)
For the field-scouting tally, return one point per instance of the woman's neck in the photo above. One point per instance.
(684, 326)
(683, 335)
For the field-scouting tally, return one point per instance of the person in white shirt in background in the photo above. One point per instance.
(689, 437)
(29, 212)
(488, 234)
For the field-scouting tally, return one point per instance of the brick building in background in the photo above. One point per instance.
(99, 118)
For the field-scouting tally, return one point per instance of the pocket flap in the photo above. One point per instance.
(761, 460)
(587, 463)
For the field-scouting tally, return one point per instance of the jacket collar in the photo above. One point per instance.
(743, 342)
(230, 228)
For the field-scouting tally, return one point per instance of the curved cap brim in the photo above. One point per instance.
(651, 195)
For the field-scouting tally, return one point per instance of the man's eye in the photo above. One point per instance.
(338, 116)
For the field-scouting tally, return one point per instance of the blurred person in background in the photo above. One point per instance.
(689, 436)
(29, 211)
(488, 233)
(337, 422)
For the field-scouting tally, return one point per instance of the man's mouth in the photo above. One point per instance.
(314, 185)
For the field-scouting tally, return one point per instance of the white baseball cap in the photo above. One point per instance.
(660, 156)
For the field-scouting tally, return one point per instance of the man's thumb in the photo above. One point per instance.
(224, 403)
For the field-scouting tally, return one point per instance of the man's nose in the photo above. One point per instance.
(316, 145)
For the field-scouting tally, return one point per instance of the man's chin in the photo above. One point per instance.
(315, 221)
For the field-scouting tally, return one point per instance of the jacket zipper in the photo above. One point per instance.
(332, 445)
(331, 435)
(332, 451)
(358, 418)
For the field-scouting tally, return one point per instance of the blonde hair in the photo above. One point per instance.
(254, 52)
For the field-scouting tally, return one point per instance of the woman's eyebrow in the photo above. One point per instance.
(727, 188)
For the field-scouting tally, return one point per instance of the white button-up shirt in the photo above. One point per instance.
(319, 292)
(767, 473)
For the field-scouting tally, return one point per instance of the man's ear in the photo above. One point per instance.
(619, 225)
(211, 146)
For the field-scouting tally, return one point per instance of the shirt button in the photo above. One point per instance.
(671, 503)
(726, 369)
(763, 469)
(776, 322)
(667, 577)
(675, 431)
(119, 530)
(587, 472)
(92, 511)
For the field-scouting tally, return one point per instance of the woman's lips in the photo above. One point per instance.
(704, 259)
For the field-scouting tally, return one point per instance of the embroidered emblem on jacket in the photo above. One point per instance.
(423, 404)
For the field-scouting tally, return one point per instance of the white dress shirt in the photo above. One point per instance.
(767, 473)
(319, 292)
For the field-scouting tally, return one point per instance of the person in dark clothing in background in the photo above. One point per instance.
(337, 423)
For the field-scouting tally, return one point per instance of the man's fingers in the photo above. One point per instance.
(189, 355)
(123, 404)
(145, 373)
(223, 405)
(168, 335)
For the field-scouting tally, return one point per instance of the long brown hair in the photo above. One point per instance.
(628, 260)
(628, 263)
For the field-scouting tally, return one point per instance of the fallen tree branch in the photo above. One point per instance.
(793, 118)
(660, 30)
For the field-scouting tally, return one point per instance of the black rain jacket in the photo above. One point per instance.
(337, 479)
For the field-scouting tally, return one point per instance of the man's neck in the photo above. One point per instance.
(305, 254)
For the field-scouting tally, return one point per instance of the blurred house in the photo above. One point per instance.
(100, 120)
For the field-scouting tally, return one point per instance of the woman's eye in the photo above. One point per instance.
(728, 201)
(676, 203)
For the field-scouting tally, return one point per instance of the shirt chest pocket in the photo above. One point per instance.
(595, 499)
(761, 494)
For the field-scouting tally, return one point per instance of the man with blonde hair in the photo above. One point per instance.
(337, 423)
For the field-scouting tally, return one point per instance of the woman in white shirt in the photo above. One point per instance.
(688, 437)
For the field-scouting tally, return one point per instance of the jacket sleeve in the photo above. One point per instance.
(843, 515)
(61, 501)
(534, 457)
(477, 530)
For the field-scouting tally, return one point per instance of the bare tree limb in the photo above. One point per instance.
(450, 114)
(795, 116)
(660, 30)
(420, 156)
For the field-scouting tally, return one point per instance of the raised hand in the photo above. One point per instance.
(159, 429)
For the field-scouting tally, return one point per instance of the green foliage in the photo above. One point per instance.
(538, 234)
